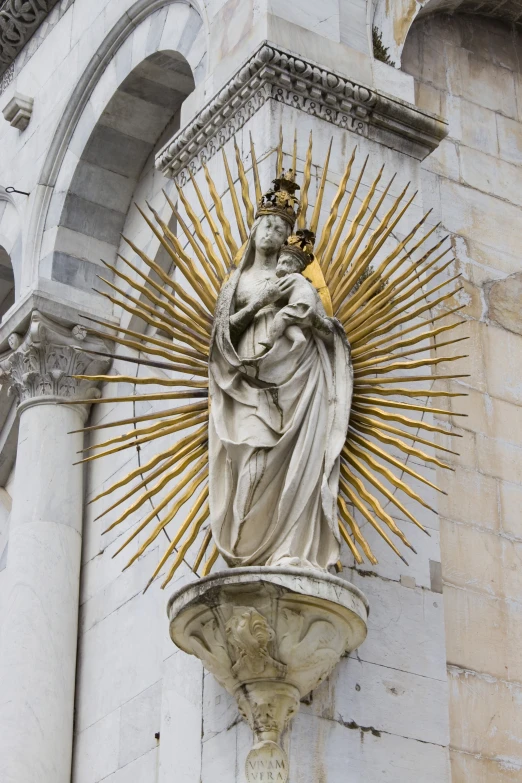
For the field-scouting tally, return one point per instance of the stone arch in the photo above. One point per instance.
(10, 252)
(137, 83)
(394, 20)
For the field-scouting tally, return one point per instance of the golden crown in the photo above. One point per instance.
(301, 245)
(281, 199)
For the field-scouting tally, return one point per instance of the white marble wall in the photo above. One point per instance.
(468, 68)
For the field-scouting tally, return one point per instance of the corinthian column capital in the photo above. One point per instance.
(42, 363)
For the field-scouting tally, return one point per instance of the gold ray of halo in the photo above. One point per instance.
(235, 201)
(354, 499)
(398, 290)
(182, 261)
(363, 333)
(139, 432)
(410, 365)
(181, 457)
(356, 531)
(353, 240)
(175, 354)
(160, 322)
(366, 409)
(279, 159)
(398, 443)
(257, 182)
(377, 426)
(198, 391)
(384, 274)
(389, 476)
(405, 406)
(209, 264)
(210, 562)
(168, 473)
(182, 499)
(351, 545)
(178, 290)
(151, 464)
(245, 195)
(384, 357)
(397, 300)
(341, 261)
(360, 266)
(183, 422)
(307, 176)
(370, 347)
(372, 501)
(294, 154)
(182, 409)
(404, 391)
(225, 255)
(407, 379)
(320, 192)
(191, 537)
(334, 208)
(170, 311)
(204, 546)
(221, 214)
(389, 350)
(351, 456)
(182, 425)
(177, 304)
(201, 501)
(199, 468)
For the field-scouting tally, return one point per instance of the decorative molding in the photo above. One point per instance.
(18, 111)
(19, 19)
(276, 74)
(42, 362)
(7, 78)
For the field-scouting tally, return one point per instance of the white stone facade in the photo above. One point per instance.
(112, 81)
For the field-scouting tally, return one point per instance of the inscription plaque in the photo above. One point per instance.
(267, 763)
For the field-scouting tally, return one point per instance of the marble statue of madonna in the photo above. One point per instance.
(280, 386)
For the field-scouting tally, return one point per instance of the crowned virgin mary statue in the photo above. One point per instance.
(281, 381)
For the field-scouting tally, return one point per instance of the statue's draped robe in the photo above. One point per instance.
(278, 423)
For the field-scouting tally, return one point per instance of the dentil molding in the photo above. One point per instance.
(41, 363)
(273, 73)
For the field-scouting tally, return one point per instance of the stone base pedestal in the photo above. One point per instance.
(269, 636)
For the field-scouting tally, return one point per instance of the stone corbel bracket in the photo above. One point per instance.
(269, 636)
(275, 74)
(18, 111)
(42, 363)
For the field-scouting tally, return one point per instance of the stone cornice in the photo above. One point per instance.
(42, 362)
(19, 19)
(275, 74)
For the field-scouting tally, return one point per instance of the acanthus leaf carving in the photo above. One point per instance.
(43, 362)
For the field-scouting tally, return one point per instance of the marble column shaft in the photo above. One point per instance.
(39, 633)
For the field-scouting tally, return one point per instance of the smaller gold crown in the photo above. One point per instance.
(301, 244)
(280, 199)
